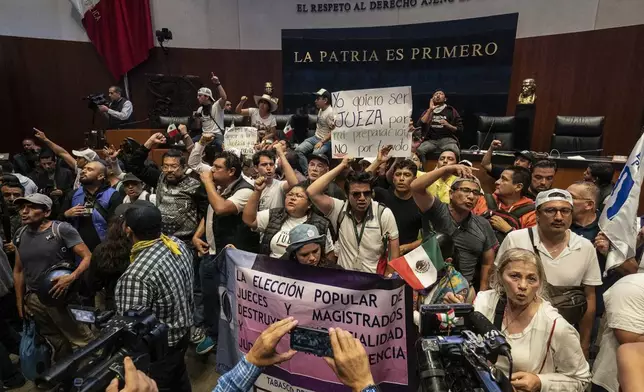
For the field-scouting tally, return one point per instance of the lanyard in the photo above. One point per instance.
(355, 229)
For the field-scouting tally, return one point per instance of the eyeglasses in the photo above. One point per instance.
(551, 211)
(476, 192)
(300, 196)
(356, 195)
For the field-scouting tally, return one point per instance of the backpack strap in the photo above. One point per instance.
(18, 235)
(381, 209)
(491, 203)
(499, 311)
(343, 213)
(55, 229)
(552, 332)
(101, 210)
(522, 210)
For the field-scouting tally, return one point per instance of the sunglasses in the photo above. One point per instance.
(356, 195)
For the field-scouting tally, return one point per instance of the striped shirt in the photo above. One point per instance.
(162, 282)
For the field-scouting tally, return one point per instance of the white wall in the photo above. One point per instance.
(256, 24)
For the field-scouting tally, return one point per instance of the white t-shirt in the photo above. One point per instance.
(208, 124)
(577, 264)
(624, 308)
(279, 242)
(272, 196)
(325, 122)
(261, 123)
(365, 256)
(565, 368)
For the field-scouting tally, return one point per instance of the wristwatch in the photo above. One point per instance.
(371, 388)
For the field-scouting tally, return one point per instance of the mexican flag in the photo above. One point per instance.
(121, 31)
(419, 268)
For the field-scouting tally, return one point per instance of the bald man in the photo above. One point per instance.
(93, 203)
(585, 216)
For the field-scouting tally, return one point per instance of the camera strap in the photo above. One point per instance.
(499, 311)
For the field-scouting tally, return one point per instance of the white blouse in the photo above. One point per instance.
(565, 368)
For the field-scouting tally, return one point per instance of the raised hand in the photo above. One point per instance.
(40, 135)
(260, 184)
(155, 140)
(496, 144)
(383, 154)
(214, 78)
(263, 352)
(350, 362)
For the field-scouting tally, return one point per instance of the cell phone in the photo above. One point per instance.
(311, 340)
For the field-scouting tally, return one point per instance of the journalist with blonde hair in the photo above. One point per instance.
(546, 351)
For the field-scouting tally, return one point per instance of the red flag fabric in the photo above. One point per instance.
(121, 31)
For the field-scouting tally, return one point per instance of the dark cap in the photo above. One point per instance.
(129, 177)
(324, 94)
(143, 217)
(525, 154)
(319, 157)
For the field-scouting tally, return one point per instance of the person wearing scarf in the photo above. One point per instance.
(440, 124)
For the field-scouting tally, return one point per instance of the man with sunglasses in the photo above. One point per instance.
(367, 230)
(472, 234)
(568, 259)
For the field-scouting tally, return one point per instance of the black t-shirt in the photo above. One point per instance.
(406, 212)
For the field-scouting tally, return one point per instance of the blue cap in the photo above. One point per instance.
(302, 235)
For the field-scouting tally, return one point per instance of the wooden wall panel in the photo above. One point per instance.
(590, 73)
(585, 74)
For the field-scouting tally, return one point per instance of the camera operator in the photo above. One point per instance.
(546, 348)
(160, 278)
(350, 362)
(119, 111)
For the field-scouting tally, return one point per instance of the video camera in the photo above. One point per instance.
(95, 100)
(464, 360)
(138, 335)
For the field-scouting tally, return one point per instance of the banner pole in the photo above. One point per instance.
(126, 83)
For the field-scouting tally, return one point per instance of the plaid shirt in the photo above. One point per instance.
(240, 378)
(161, 282)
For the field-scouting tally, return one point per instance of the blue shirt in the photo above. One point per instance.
(243, 376)
(240, 378)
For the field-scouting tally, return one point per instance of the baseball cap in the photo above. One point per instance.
(301, 235)
(324, 94)
(469, 179)
(206, 91)
(129, 177)
(319, 157)
(466, 163)
(89, 154)
(525, 154)
(35, 198)
(554, 194)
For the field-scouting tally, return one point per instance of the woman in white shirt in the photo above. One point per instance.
(546, 350)
(261, 117)
(276, 223)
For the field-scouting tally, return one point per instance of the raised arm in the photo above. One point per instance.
(58, 150)
(250, 211)
(316, 190)
(148, 174)
(185, 137)
(220, 90)
(220, 205)
(486, 162)
(289, 173)
(425, 200)
(195, 159)
(240, 105)
(383, 156)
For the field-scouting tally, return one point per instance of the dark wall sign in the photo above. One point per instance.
(471, 60)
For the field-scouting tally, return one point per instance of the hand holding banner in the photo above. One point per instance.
(242, 139)
(369, 119)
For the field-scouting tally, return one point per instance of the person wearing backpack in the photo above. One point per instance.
(40, 245)
(91, 205)
(569, 260)
(508, 208)
(367, 230)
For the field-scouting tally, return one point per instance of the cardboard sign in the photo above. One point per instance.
(242, 139)
(367, 120)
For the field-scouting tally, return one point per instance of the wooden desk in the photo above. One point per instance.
(568, 171)
(115, 136)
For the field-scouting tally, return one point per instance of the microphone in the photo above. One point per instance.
(492, 336)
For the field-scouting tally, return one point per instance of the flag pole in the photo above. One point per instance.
(126, 83)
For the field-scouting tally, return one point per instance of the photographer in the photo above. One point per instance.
(119, 111)
(350, 362)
